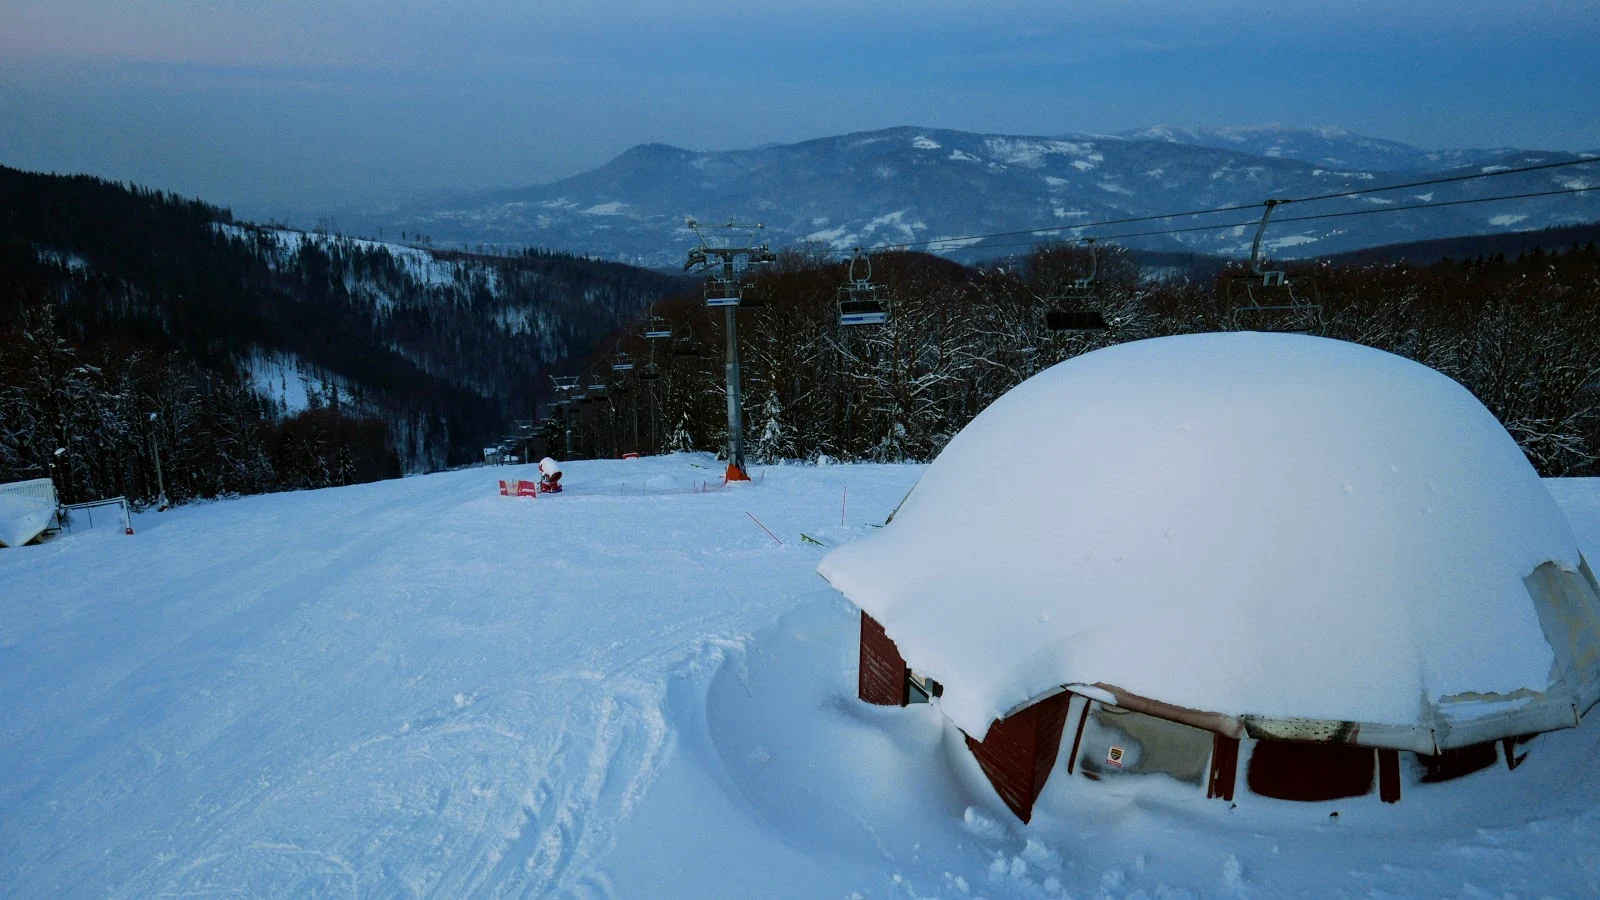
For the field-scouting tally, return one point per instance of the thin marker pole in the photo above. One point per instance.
(763, 527)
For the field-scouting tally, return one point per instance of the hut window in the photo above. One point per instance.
(921, 688)
(1117, 742)
(1300, 770)
(1456, 763)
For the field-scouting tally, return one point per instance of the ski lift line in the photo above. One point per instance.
(1308, 218)
(1363, 212)
(1448, 179)
(1247, 206)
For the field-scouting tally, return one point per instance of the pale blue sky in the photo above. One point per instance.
(301, 103)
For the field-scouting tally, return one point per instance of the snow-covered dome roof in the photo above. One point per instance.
(1245, 524)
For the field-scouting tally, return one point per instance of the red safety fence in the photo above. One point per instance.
(519, 488)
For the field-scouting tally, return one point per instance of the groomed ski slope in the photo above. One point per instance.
(421, 688)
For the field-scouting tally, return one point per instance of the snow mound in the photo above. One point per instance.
(1246, 524)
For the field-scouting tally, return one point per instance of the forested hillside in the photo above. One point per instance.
(1523, 334)
(255, 358)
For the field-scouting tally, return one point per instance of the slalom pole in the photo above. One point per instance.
(763, 527)
(842, 501)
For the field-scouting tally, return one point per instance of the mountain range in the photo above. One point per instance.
(919, 185)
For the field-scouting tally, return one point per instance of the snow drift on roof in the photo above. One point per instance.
(1249, 524)
(22, 519)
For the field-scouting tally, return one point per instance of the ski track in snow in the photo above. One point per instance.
(420, 689)
(414, 688)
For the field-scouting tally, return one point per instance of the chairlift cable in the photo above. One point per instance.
(1307, 218)
(1246, 206)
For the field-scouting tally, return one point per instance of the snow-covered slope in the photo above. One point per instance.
(919, 184)
(420, 688)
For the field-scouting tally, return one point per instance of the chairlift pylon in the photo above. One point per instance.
(861, 302)
(1069, 310)
(1270, 301)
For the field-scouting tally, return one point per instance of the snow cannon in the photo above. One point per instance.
(549, 476)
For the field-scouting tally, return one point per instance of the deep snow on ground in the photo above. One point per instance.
(421, 688)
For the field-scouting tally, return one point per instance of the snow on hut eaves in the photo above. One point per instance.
(1274, 527)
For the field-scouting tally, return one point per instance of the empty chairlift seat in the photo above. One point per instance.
(861, 302)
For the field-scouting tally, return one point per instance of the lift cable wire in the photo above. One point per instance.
(617, 342)
(1307, 218)
(1246, 206)
(1194, 228)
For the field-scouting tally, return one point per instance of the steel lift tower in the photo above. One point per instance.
(727, 264)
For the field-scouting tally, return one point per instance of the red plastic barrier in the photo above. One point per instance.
(519, 488)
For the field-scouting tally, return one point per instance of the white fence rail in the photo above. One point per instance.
(36, 488)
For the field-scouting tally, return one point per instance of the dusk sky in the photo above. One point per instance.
(312, 103)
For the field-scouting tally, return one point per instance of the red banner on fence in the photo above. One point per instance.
(519, 488)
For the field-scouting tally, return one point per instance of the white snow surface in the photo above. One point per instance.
(421, 688)
(1243, 523)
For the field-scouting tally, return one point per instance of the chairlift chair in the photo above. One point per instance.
(657, 329)
(622, 362)
(1271, 301)
(685, 344)
(861, 302)
(1069, 310)
(649, 371)
(752, 297)
(1075, 320)
(724, 292)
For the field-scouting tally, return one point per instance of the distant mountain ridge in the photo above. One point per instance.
(1321, 146)
(911, 184)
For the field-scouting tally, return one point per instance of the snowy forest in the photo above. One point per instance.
(1523, 334)
(135, 323)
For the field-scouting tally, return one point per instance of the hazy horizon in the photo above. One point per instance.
(306, 105)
